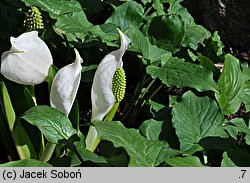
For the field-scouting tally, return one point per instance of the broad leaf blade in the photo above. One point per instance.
(53, 124)
(127, 15)
(142, 152)
(231, 85)
(195, 118)
(176, 72)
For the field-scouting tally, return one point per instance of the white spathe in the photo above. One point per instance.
(28, 60)
(101, 92)
(65, 85)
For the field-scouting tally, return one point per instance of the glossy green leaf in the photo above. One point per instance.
(151, 129)
(166, 31)
(226, 161)
(53, 124)
(195, 118)
(26, 163)
(176, 72)
(20, 137)
(189, 161)
(127, 15)
(142, 152)
(231, 85)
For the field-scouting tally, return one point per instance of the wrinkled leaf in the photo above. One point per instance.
(53, 124)
(142, 152)
(231, 85)
(195, 118)
(176, 72)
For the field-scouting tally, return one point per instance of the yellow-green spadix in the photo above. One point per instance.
(102, 95)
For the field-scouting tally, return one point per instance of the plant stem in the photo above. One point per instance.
(112, 112)
(144, 93)
(48, 151)
(92, 140)
(32, 93)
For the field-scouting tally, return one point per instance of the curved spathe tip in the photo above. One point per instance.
(65, 85)
(101, 93)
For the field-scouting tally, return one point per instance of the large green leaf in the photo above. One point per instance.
(127, 15)
(53, 124)
(151, 53)
(195, 118)
(166, 31)
(151, 129)
(26, 163)
(176, 72)
(209, 65)
(231, 85)
(55, 8)
(142, 152)
(189, 161)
